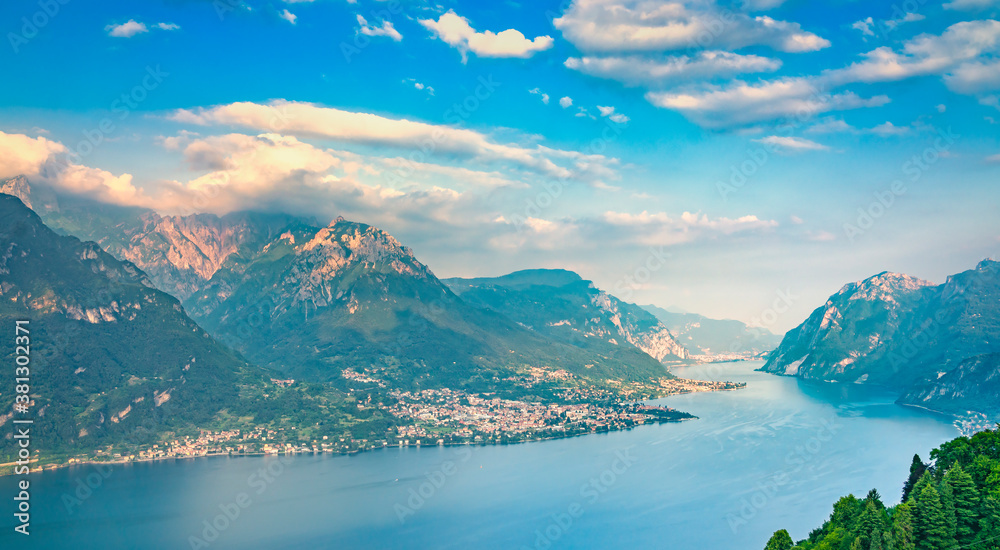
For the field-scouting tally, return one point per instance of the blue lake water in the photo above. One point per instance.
(774, 455)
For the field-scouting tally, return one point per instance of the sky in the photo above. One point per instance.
(740, 160)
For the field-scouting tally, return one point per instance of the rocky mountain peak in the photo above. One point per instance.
(885, 287)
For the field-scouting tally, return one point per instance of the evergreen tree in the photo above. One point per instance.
(902, 527)
(948, 507)
(966, 503)
(931, 526)
(989, 525)
(917, 469)
(871, 524)
(780, 540)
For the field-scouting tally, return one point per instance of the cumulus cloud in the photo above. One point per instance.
(970, 5)
(637, 69)
(538, 92)
(565, 102)
(385, 29)
(610, 113)
(20, 154)
(792, 144)
(456, 31)
(127, 29)
(614, 26)
(132, 27)
(288, 16)
(960, 55)
(741, 103)
(925, 54)
(865, 26)
(311, 120)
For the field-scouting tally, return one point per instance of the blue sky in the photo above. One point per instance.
(708, 155)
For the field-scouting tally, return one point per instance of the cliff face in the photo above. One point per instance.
(900, 332)
(973, 385)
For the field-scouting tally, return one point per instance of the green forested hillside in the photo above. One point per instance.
(950, 503)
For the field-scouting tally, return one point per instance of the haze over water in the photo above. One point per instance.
(774, 455)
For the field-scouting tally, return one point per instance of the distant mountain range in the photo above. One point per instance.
(716, 339)
(311, 301)
(114, 360)
(563, 306)
(936, 344)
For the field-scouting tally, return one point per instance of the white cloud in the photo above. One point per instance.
(889, 129)
(970, 5)
(958, 55)
(565, 102)
(831, 125)
(612, 26)
(168, 26)
(974, 77)
(420, 85)
(623, 229)
(310, 120)
(789, 143)
(865, 26)
(993, 158)
(127, 29)
(637, 69)
(20, 154)
(288, 16)
(544, 96)
(610, 113)
(456, 31)
(385, 29)
(741, 103)
(925, 54)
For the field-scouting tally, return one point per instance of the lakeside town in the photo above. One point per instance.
(444, 417)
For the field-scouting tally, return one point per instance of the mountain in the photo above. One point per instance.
(350, 295)
(116, 362)
(311, 301)
(107, 349)
(901, 332)
(715, 339)
(561, 305)
(974, 385)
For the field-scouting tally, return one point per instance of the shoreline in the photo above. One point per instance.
(64, 465)
(687, 391)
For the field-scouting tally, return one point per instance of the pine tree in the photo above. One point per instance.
(878, 540)
(780, 540)
(871, 522)
(917, 469)
(902, 526)
(931, 525)
(966, 502)
(948, 507)
(989, 525)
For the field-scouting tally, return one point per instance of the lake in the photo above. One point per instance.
(774, 455)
